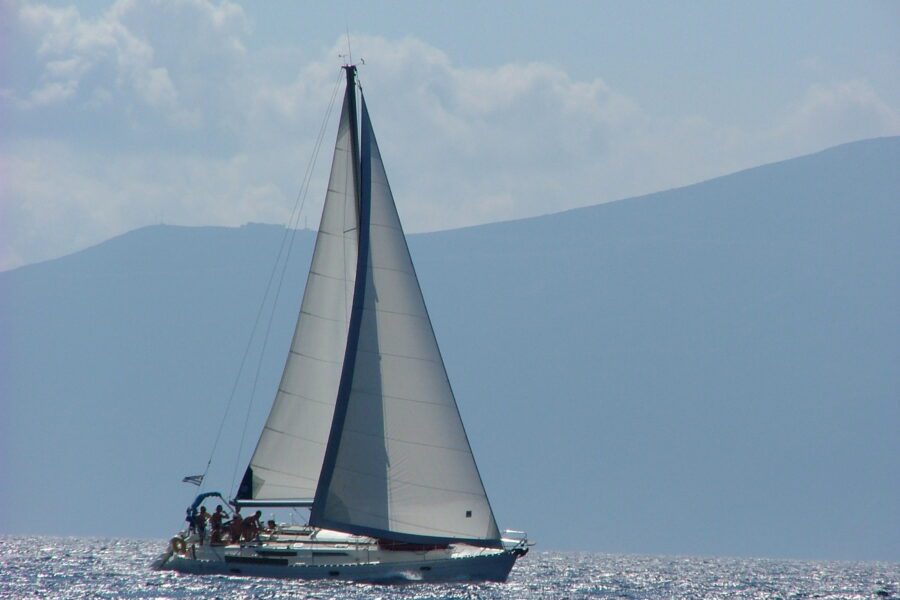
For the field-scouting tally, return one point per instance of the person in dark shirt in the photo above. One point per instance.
(236, 527)
(215, 522)
(251, 526)
(190, 518)
(200, 523)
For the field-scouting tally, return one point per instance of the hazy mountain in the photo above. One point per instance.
(708, 370)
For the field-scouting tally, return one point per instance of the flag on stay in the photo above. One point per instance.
(195, 479)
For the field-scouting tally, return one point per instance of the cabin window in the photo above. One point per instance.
(468, 514)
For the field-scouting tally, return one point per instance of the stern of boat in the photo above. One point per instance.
(178, 545)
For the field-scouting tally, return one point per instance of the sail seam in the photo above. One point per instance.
(385, 226)
(419, 485)
(324, 360)
(383, 353)
(383, 395)
(401, 441)
(303, 312)
(295, 436)
(447, 532)
(394, 312)
(271, 470)
(337, 235)
(302, 397)
(328, 276)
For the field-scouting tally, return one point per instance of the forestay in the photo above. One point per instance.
(398, 463)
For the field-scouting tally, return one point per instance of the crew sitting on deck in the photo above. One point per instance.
(270, 527)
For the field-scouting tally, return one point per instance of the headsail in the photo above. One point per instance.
(288, 458)
(398, 463)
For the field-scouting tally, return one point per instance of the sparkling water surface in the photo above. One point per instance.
(44, 567)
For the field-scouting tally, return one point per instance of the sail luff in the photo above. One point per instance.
(288, 458)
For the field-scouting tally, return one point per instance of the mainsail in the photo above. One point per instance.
(288, 458)
(398, 463)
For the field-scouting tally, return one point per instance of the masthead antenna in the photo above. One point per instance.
(349, 50)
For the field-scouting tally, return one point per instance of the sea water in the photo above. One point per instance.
(45, 567)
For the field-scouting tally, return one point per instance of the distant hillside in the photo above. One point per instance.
(707, 370)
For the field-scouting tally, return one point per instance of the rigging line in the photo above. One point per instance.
(291, 234)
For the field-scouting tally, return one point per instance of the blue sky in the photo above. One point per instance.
(118, 115)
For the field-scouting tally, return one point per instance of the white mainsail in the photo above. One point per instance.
(398, 463)
(288, 458)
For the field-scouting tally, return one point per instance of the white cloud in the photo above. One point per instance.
(158, 111)
(130, 49)
(838, 112)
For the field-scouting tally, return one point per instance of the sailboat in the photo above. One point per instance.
(364, 429)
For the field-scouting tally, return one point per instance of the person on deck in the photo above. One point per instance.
(190, 518)
(200, 523)
(215, 522)
(270, 527)
(236, 527)
(252, 526)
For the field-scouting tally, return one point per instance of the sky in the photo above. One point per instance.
(119, 115)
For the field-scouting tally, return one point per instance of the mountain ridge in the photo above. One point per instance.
(869, 143)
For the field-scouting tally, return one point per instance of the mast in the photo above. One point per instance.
(354, 134)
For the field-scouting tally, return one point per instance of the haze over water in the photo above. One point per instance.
(48, 567)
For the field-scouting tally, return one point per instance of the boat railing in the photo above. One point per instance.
(514, 535)
(516, 542)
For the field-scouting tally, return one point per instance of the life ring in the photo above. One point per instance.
(178, 545)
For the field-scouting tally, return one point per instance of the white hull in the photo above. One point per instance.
(321, 554)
